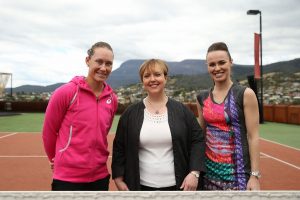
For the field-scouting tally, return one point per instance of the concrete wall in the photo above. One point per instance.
(238, 195)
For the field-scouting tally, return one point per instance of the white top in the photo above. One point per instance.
(156, 157)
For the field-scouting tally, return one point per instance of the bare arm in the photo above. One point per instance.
(252, 124)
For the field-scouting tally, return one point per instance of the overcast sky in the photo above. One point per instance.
(44, 42)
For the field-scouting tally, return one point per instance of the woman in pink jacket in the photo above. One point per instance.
(77, 120)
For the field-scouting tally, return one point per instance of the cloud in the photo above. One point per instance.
(45, 42)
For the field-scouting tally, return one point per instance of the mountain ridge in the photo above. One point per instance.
(128, 73)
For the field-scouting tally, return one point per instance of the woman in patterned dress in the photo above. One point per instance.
(229, 115)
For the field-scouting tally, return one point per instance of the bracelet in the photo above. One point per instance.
(195, 174)
(256, 174)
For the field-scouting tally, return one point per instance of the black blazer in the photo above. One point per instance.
(187, 139)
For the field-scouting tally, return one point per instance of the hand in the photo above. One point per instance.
(51, 164)
(121, 185)
(190, 183)
(253, 183)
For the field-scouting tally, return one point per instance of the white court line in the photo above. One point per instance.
(23, 156)
(29, 156)
(281, 144)
(263, 156)
(8, 135)
(289, 164)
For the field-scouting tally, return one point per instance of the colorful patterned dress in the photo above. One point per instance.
(227, 153)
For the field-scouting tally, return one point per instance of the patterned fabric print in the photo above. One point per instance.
(224, 155)
(214, 114)
(231, 110)
(210, 184)
(220, 170)
(219, 148)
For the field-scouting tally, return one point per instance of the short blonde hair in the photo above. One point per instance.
(152, 63)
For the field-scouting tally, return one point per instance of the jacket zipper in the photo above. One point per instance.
(96, 135)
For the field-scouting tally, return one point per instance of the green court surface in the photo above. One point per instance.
(287, 134)
(26, 122)
(32, 122)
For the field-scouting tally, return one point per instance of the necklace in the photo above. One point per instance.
(156, 110)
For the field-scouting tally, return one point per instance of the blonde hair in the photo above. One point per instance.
(152, 63)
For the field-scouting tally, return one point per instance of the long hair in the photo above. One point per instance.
(218, 46)
(91, 51)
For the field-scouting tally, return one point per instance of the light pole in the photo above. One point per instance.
(261, 117)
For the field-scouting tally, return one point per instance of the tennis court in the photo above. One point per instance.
(24, 166)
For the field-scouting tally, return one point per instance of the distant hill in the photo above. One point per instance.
(35, 88)
(289, 67)
(128, 72)
(192, 72)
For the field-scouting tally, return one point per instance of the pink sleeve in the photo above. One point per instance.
(55, 112)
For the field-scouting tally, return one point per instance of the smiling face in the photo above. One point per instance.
(100, 64)
(219, 65)
(154, 77)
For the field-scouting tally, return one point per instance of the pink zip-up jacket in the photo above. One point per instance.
(75, 131)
